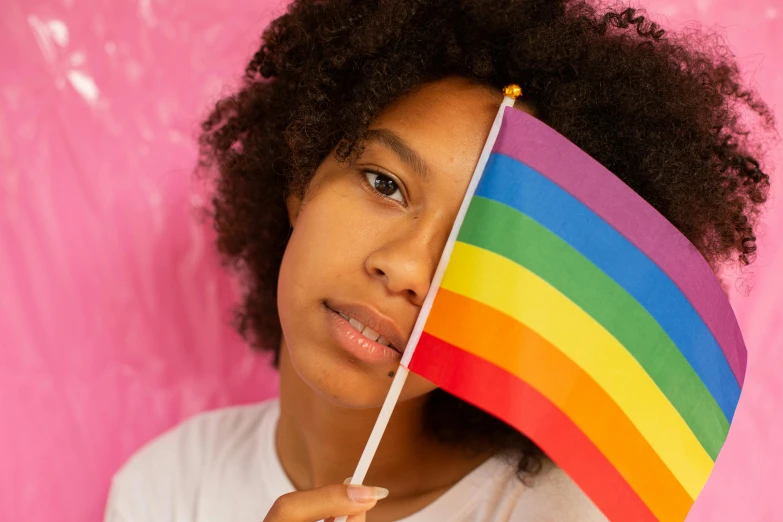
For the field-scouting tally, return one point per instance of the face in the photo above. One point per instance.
(367, 238)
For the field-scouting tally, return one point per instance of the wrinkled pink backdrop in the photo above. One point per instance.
(113, 306)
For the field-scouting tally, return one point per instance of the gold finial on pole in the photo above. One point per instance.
(513, 91)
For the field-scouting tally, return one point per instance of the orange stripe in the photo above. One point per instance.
(485, 332)
(519, 405)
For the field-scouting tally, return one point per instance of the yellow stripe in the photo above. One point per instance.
(515, 291)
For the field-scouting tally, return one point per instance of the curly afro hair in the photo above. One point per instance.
(665, 113)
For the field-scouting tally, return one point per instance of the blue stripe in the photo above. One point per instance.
(516, 185)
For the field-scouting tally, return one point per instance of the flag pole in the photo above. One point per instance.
(511, 93)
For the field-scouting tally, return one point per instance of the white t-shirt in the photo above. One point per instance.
(222, 466)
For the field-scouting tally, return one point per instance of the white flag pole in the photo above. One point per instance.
(402, 374)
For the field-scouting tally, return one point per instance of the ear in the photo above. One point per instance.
(293, 203)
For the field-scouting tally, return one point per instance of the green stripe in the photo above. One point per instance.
(544, 253)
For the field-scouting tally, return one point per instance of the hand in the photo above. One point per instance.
(325, 504)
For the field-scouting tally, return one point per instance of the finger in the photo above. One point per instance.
(361, 517)
(324, 503)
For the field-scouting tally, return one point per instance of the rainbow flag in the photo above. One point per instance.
(568, 307)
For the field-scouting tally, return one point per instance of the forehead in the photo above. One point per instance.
(445, 122)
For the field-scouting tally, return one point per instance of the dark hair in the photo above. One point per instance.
(667, 114)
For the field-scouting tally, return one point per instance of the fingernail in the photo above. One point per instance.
(365, 494)
(348, 480)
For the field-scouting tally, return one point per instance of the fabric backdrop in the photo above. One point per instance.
(114, 309)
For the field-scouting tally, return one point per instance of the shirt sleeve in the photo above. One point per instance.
(160, 481)
(113, 511)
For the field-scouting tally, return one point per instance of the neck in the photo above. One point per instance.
(320, 443)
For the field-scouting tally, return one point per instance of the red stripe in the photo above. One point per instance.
(501, 394)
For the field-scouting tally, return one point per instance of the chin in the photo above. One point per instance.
(350, 391)
(338, 379)
(349, 384)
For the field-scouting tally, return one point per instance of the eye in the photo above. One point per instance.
(384, 185)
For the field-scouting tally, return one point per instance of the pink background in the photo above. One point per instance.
(113, 306)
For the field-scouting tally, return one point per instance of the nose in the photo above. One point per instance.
(406, 262)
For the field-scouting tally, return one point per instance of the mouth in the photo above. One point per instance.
(374, 333)
(367, 332)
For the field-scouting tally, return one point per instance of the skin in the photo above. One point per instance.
(352, 243)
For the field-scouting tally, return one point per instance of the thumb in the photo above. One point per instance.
(324, 503)
(353, 518)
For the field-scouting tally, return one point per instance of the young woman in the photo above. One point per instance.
(341, 164)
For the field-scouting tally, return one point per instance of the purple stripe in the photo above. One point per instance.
(537, 145)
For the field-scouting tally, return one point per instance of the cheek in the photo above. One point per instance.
(287, 289)
(319, 253)
(334, 232)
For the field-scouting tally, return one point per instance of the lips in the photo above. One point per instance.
(367, 331)
(370, 324)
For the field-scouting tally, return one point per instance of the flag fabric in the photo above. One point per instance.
(575, 312)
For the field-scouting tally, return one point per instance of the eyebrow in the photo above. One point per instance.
(398, 146)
